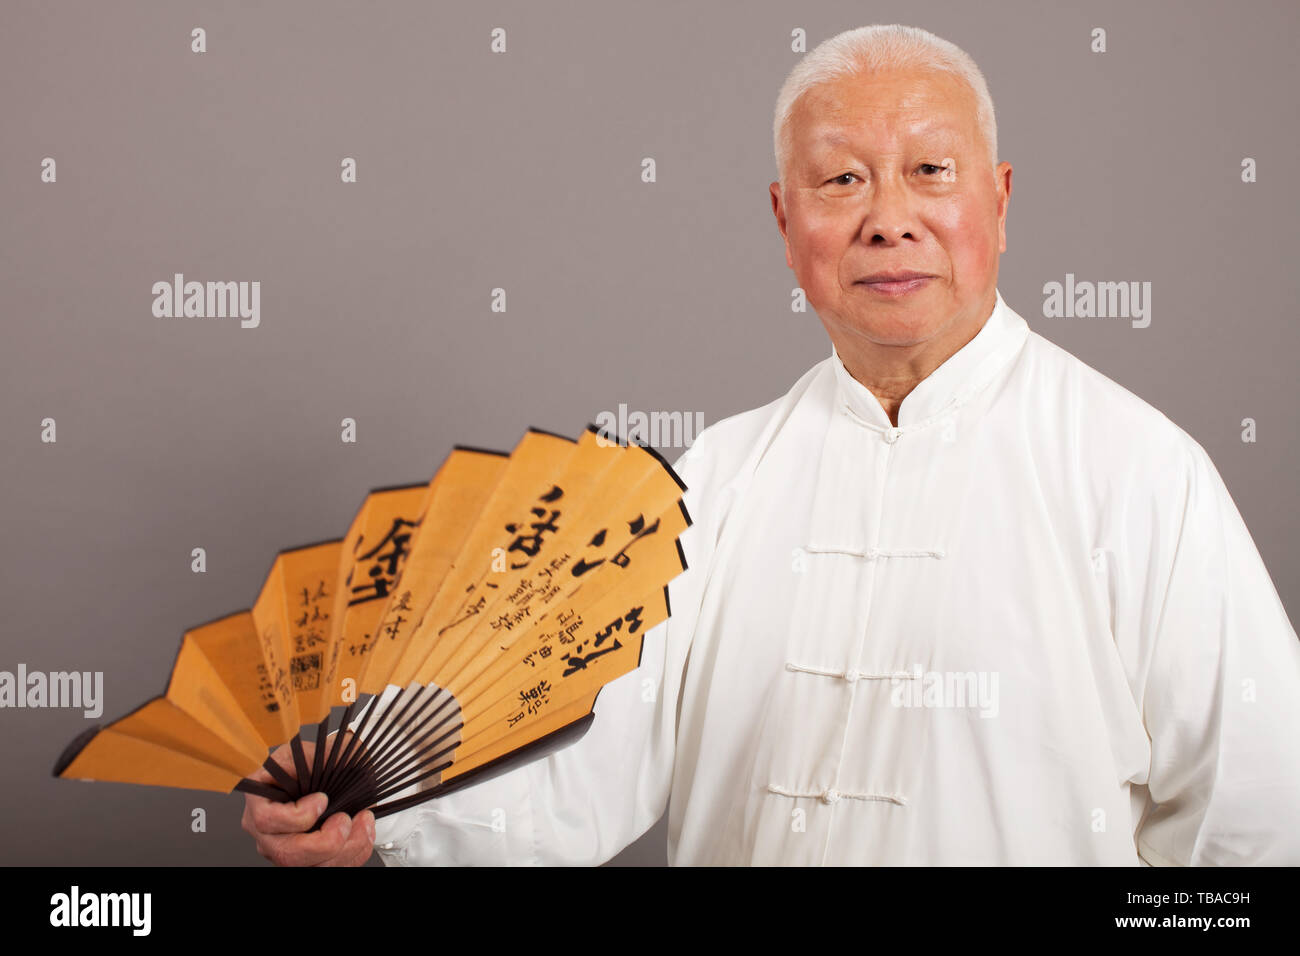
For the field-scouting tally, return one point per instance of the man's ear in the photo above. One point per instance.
(1002, 176)
(778, 209)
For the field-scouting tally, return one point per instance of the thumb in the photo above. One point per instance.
(311, 807)
(343, 826)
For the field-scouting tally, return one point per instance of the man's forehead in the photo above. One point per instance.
(850, 131)
(918, 103)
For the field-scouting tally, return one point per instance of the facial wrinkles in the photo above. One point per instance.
(880, 133)
(885, 126)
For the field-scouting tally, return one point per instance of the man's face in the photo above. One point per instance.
(888, 173)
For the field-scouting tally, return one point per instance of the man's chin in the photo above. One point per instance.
(896, 332)
(894, 327)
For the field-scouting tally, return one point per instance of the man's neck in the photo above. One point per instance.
(890, 372)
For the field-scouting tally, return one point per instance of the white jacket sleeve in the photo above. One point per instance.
(1221, 699)
(582, 804)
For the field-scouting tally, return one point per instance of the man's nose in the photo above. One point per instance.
(890, 215)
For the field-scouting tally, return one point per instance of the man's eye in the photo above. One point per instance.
(841, 176)
(937, 169)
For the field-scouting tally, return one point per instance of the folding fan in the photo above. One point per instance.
(461, 627)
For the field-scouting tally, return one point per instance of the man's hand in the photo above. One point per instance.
(280, 828)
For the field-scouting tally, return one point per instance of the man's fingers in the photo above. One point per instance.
(269, 817)
(308, 849)
(280, 828)
(360, 842)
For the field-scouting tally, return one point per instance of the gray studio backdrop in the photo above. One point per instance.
(522, 171)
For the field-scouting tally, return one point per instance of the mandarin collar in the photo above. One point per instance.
(949, 385)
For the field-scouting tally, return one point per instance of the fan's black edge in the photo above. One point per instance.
(303, 547)
(667, 467)
(685, 514)
(610, 433)
(681, 554)
(637, 443)
(641, 648)
(176, 659)
(543, 431)
(481, 451)
(82, 739)
(222, 617)
(406, 487)
(71, 751)
(541, 747)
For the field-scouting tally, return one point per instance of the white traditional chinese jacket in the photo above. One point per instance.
(1025, 626)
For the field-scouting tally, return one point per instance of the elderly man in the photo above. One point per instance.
(955, 598)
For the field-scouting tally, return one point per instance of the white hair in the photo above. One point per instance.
(873, 48)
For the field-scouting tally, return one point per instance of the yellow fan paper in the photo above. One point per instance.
(469, 622)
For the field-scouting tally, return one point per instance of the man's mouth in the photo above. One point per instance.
(895, 283)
